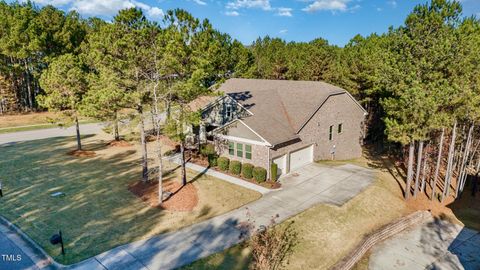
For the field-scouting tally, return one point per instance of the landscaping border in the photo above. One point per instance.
(221, 176)
(349, 261)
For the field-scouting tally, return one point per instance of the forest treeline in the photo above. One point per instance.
(419, 82)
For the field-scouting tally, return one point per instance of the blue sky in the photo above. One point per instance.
(293, 20)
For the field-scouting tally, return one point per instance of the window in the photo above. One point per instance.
(340, 128)
(248, 151)
(228, 111)
(239, 150)
(330, 133)
(231, 148)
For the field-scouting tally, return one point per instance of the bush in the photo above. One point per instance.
(260, 174)
(212, 160)
(247, 170)
(235, 167)
(207, 150)
(223, 163)
(274, 171)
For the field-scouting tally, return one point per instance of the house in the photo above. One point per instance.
(290, 123)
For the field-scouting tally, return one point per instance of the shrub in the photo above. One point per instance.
(247, 170)
(207, 150)
(235, 167)
(223, 163)
(260, 174)
(274, 171)
(212, 160)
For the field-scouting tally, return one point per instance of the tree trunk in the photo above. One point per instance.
(184, 174)
(116, 133)
(419, 167)
(439, 161)
(473, 152)
(451, 151)
(411, 152)
(77, 127)
(424, 173)
(160, 166)
(462, 173)
(144, 147)
(29, 89)
(168, 105)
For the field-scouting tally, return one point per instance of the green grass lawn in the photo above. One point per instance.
(98, 212)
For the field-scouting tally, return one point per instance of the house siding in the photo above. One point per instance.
(337, 109)
(238, 129)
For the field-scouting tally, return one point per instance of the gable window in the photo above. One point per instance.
(248, 151)
(228, 111)
(231, 148)
(330, 133)
(239, 150)
(340, 128)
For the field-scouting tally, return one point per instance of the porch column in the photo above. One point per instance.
(202, 134)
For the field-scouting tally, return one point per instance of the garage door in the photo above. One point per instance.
(281, 164)
(301, 157)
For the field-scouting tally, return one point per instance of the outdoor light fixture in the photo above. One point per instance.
(58, 239)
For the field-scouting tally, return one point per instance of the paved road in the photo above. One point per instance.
(38, 134)
(311, 185)
(17, 254)
(435, 244)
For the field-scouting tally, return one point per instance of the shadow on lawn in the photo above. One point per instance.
(96, 197)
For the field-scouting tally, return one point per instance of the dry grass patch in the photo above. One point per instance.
(16, 120)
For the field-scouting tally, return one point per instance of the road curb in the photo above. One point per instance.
(37, 248)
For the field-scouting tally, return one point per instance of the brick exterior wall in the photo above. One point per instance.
(337, 109)
(259, 153)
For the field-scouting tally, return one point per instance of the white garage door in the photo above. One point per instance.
(281, 164)
(301, 157)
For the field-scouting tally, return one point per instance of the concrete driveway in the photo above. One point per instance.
(327, 184)
(435, 244)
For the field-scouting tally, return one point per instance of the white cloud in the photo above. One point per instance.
(283, 31)
(282, 11)
(155, 13)
(232, 13)
(331, 5)
(238, 4)
(52, 2)
(200, 2)
(106, 8)
(393, 3)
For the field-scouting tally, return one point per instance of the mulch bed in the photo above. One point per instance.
(81, 153)
(120, 143)
(184, 199)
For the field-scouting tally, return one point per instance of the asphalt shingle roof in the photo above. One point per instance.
(280, 108)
